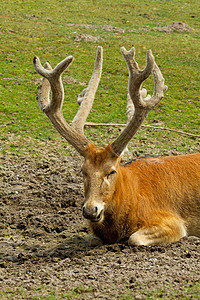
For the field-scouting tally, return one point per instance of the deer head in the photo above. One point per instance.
(101, 168)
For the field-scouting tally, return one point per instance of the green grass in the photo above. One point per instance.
(41, 28)
(46, 292)
(183, 293)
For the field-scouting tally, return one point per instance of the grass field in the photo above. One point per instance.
(49, 29)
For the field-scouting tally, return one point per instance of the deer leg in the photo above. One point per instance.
(93, 241)
(169, 230)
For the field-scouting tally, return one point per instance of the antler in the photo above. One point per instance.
(86, 98)
(141, 104)
(53, 108)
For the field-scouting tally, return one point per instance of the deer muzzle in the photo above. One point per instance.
(94, 213)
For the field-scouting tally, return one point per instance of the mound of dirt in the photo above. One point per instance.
(175, 26)
(105, 27)
(111, 28)
(87, 38)
(72, 80)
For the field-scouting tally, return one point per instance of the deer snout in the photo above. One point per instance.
(93, 213)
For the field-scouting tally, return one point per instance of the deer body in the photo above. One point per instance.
(148, 201)
(158, 199)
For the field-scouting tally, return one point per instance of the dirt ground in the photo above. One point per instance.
(42, 246)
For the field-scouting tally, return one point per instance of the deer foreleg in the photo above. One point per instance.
(93, 241)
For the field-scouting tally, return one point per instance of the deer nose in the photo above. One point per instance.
(90, 213)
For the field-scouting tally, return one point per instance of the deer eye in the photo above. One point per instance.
(111, 173)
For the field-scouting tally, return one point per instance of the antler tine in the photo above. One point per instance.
(142, 105)
(47, 71)
(44, 90)
(159, 88)
(53, 108)
(54, 78)
(86, 98)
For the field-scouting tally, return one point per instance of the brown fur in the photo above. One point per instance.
(150, 200)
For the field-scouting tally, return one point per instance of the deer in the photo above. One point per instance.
(147, 201)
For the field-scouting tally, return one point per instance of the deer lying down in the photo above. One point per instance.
(148, 201)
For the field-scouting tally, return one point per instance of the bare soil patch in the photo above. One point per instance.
(87, 38)
(111, 28)
(175, 26)
(72, 80)
(42, 246)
